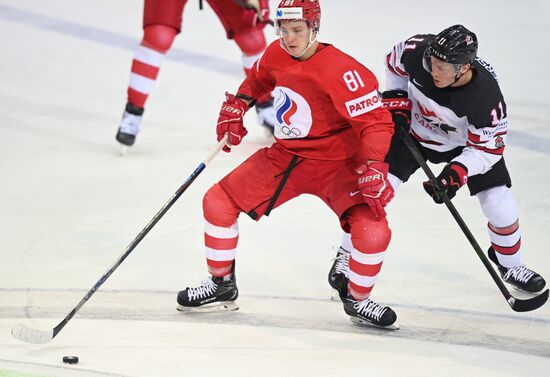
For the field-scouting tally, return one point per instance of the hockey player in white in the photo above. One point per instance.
(451, 100)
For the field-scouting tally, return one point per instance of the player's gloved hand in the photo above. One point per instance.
(230, 120)
(399, 105)
(258, 11)
(452, 177)
(375, 187)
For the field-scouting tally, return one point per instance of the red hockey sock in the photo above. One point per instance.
(370, 238)
(221, 231)
(157, 39)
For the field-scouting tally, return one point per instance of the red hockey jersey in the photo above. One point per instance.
(327, 107)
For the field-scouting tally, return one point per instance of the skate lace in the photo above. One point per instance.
(206, 288)
(342, 261)
(519, 273)
(370, 309)
(130, 124)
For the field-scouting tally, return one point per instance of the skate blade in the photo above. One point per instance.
(123, 150)
(527, 293)
(361, 322)
(222, 306)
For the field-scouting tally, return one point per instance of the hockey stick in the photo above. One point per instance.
(30, 335)
(518, 305)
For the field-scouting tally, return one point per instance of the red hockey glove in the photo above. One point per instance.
(375, 187)
(452, 177)
(257, 11)
(230, 120)
(399, 105)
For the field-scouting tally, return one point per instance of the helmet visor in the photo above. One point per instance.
(429, 60)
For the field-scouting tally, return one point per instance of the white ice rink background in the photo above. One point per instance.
(69, 205)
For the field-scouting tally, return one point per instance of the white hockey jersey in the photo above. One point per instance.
(472, 116)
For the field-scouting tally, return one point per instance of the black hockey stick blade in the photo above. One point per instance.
(526, 305)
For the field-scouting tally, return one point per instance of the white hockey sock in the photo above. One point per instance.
(506, 242)
(500, 208)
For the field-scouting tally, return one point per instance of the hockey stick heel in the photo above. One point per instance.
(526, 305)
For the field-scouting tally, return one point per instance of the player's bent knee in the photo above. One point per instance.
(159, 37)
(218, 208)
(499, 206)
(252, 42)
(368, 234)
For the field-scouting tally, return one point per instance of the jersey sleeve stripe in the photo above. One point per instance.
(388, 57)
(473, 138)
(497, 151)
(400, 71)
(393, 67)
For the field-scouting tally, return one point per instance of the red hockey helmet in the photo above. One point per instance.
(308, 10)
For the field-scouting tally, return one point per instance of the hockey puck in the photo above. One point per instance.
(70, 359)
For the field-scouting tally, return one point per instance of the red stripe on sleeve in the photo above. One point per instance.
(473, 137)
(497, 151)
(388, 64)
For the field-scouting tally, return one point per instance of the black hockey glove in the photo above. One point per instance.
(452, 177)
(399, 105)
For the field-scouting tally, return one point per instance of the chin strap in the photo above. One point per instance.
(458, 75)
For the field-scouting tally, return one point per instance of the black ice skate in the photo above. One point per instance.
(520, 277)
(338, 274)
(213, 294)
(266, 114)
(129, 126)
(368, 312)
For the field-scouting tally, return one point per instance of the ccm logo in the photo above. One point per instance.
(392, 104)
(363, 104)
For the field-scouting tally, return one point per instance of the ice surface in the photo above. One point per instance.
(69, 206)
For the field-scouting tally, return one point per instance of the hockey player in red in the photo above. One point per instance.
(243, 21)
(331, 137)
(458, 117)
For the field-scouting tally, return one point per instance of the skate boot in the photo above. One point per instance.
(129, 126)
(520, 277)
(338, 274)
(368, 312)
(213, 294)
(266, 114)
